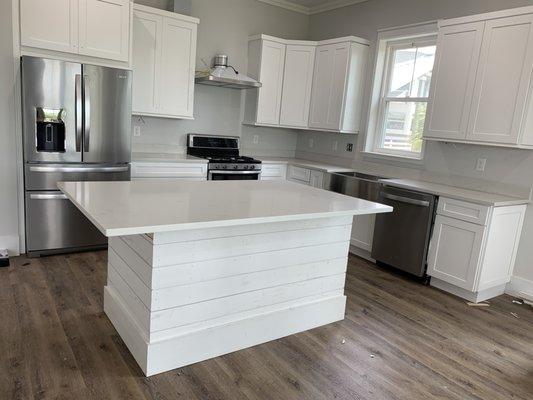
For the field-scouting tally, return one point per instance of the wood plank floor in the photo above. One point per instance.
(400, 340)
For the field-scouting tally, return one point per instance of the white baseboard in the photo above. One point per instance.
(11, 243)
(519, 285)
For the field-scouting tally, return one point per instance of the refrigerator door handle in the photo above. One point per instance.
(87, 130)
(48, 196)
(78, 112)
(78, 169)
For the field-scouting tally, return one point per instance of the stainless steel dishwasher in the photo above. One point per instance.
(401, 238)
(353, 184)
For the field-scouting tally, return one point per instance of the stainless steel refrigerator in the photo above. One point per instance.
(76, 127)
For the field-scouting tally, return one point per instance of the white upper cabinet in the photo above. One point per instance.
(164, 56)
(307, 85)
(338, 85)
(297, 81)
(94, 28)
(480, 90)
(271, 76)
(104, 29)
(502, 80)
(453, 84)
(49, 24)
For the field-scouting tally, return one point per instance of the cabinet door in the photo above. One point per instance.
(51, 24)
(299, 174)
(297, 82)
(329, 84)
(363, 231)
(455, 251)
(452, 86)
(502, 80)
(178, 60)
(317, 179)
(105, 28)
(271, 77)
(146, 59)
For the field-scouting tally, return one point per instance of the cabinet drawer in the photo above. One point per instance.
(299, 174)
(273, 171)
(469, 212)
(169, 170)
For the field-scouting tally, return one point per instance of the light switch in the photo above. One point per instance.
(311, 143)
(335, 145)
(136, 131)
(480, 165)
(256, 139)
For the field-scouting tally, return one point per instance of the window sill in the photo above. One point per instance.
(372, 155)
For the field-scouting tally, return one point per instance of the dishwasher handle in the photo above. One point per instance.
(402, 199)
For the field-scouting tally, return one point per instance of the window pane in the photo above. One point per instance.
(403, 65)
(411, 72)
(404, 125)
(425, 58)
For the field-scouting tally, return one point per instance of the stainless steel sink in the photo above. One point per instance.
(355, 184)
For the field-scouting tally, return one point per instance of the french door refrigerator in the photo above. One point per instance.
(76, 127)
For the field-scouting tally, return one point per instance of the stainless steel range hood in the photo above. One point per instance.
(225, 75)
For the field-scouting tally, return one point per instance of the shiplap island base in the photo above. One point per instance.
(201, 269)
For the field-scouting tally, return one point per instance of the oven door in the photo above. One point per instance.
(215, 175)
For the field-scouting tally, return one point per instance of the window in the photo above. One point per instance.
(401, 110)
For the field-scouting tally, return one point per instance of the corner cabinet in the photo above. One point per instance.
(164, 58)
(94, 28)
(473, 248)
(481, 87)
(306, 85)
(338, 85)
(285, 70)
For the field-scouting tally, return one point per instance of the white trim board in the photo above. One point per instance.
(327, 6)
(519, 285)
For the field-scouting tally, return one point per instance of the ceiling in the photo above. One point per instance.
(312, 6)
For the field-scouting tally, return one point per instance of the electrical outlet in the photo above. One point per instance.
(256, 139)
(349, 147)
(311, 143)
(480, 165)
(136, 131)
(335, 145)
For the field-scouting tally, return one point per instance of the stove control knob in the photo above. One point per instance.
(224, 167)
(246, 167)
(234, 167)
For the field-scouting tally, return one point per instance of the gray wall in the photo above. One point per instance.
(446, 163)
(8, 161)
(224, 28)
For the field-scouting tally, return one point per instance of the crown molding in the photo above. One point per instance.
(328, 6)
(288, 5)
(332, 5)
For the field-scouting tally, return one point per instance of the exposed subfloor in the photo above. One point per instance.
(400, 340)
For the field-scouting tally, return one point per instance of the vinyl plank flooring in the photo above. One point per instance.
(399, 340)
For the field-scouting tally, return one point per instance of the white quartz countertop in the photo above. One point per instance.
(474, 196)
(149, 206)
(165, 158)
(304, 163)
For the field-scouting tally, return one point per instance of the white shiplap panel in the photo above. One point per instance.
(242, 230)
(237, 305)
(174, 253)
(119, 248)
(182, 295)
(201, 271)
(143, 292)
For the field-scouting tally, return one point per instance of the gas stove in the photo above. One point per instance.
(225, 162)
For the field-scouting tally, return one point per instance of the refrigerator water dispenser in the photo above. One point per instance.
(50, 130)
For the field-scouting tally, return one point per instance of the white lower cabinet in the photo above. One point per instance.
(169, 170)
(363, 232)
(307, 176)
(273, 172)
(474, 260)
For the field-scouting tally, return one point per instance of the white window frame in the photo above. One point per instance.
(423, 33)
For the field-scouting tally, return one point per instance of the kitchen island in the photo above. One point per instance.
(201, 269)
